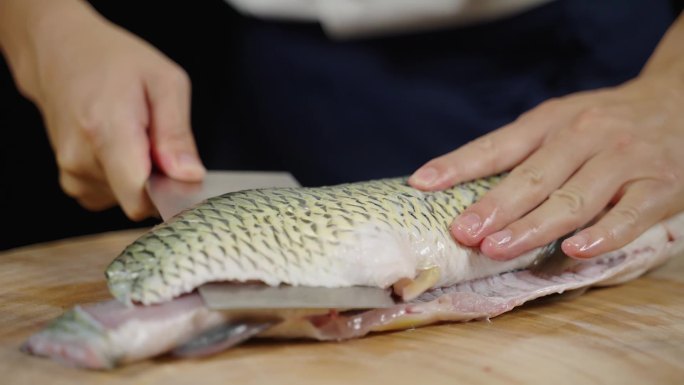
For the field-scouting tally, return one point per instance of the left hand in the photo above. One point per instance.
(620, 149)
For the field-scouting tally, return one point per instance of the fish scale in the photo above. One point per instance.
(368, 233)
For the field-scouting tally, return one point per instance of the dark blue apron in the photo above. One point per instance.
(342, 111)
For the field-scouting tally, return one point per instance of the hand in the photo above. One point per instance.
(615, 155)
(573, 157)
(110, 101)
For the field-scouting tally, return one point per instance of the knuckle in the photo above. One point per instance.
(485, 143)
(71, 186)
(588, 119)
(626, 141)
(87, 117)
(627, 215)
(530, 224)
(481, 149)
(135, 212)
(91, 126)
(572, 197)
(76, 162)
(598, 117)
(94, 204)
(69, 160)
(178, 77)
(491, 164)
(531, 174)
(92, 132)
(627, 149)
(621, 225)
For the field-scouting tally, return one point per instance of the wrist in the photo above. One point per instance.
(667, 61)
(30, 27)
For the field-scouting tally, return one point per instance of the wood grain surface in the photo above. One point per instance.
(631, 334)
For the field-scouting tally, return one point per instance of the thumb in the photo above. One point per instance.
(172, 143)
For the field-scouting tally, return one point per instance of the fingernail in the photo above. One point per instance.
(501, 238)
(469, 223)
(425, 176)
(581, 242)
(578, 241)
(189, 164)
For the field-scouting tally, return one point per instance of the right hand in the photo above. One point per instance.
(111, 103)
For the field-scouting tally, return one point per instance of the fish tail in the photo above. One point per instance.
(73, 339)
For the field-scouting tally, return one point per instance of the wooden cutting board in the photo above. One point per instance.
(631, 334)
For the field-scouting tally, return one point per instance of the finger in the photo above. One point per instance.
(80, 174)
(488, 155)
(576, 203)
(498, 151)
(644, 203)
(173, 145)
(523, 189)
(122, 148)
(94, 195)
(76, 158)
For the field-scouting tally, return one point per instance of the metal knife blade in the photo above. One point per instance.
(170, 196)
(230, 296)
(552, 261)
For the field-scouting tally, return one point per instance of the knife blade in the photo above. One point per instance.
(171, 196)
(242, 296)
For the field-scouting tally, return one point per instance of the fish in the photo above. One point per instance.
(380, 233)
(358, 234)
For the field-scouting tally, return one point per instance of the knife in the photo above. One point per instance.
(170, 197)
(247, 296)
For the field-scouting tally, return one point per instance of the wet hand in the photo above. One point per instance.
(618, 149)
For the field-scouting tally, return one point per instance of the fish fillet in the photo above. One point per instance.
(374, 233)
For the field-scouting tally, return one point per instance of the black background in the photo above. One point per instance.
(194, 34)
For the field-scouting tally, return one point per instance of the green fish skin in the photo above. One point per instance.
(369, 233)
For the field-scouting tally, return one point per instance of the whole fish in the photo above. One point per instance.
(371, 234)
(379, 233)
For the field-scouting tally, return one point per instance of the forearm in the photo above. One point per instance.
(26, 25)
(668, 57)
